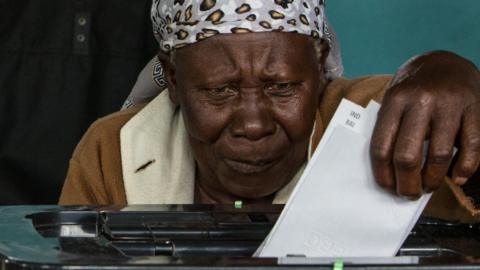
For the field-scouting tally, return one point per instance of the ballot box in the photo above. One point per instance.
(197, 236)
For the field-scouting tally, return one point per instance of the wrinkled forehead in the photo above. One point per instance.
(279, 43)
(267, 52)
(178, 23)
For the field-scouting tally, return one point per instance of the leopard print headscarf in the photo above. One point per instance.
(177, 23)
(180, 22)
(188, 21)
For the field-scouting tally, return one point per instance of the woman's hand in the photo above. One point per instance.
(435, 97)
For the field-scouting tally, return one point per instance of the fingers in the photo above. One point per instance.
(469, 152)
(408, 152)
(401, 129)
(440, 151)
(383, 142)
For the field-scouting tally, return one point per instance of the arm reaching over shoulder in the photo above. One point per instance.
(435, 97)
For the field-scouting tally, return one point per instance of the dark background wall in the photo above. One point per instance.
(54, 82)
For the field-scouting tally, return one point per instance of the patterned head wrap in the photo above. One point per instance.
(188, 21)
(177, 23)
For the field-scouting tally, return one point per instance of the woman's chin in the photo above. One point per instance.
(253, 186)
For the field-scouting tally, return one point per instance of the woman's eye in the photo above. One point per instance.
(222, 91)
(281, 89)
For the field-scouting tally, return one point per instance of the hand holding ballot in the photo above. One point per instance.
(337, 209)
(427, 101)
(344, 205)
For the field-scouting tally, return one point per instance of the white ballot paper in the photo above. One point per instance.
(337, 209)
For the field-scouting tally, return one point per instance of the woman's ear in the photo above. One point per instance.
(169, 71)
(323, 49)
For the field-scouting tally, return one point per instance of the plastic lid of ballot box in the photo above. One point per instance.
(197, 236)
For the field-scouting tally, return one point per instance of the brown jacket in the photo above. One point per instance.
(95, 173)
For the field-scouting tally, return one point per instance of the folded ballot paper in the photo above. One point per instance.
(337, 209)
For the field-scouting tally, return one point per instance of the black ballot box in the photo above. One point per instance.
(197, 236)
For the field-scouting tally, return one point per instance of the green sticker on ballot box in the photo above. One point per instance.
(238, 204)
(338, 265)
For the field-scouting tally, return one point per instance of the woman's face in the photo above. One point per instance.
(249, 103)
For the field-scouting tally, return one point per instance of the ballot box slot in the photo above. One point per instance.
(223, 225)
(220, 233)
(188, 231)
(126, 218)
(186, 248)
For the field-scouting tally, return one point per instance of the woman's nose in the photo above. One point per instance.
(253, 119)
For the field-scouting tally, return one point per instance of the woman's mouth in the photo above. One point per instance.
(250, 167)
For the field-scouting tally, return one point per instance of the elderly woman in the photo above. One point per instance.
(248, 101)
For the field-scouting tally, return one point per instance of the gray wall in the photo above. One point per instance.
(377, 36)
